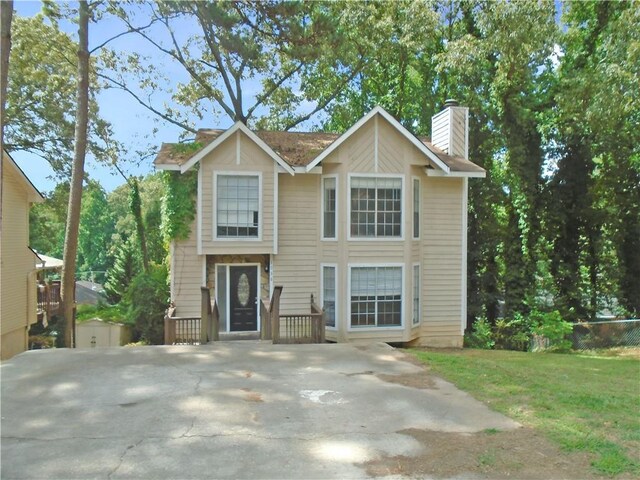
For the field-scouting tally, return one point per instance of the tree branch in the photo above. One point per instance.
(322, 105)
(148, 106)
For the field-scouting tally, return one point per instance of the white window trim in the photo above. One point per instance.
(228, 306)
(415, 324)
(336, 223)
(415, 179)
(402, 208)
(350, 266)
(215, 207)
(335, 269)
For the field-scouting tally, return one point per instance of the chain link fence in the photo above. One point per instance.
(606, 334)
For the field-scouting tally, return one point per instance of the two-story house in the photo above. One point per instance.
(373, 222)
(18, 270)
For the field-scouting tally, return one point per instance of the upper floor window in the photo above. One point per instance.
(329, 201)
(376, 207)
(416, 208)
(237, 206)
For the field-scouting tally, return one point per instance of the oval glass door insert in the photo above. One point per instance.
(243, 290)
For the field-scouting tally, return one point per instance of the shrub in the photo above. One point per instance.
(550, 325)
(147, 298)
(37, 342)
(481, 337)
(108, 313)
(512, 334)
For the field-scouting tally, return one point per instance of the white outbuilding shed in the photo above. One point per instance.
(98, 333)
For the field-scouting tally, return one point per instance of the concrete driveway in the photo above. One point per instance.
(229, 410)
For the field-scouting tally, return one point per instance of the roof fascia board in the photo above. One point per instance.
(218, 141)
(397, 125)
(34, 194)
(437, 173)
(167, 166)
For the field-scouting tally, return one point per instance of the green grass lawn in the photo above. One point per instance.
(588, 402)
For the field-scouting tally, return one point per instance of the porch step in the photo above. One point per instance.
(225, 337)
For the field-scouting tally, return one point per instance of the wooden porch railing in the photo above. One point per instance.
(292, 328)
(192, 330)
(299, 328)
(49, 299)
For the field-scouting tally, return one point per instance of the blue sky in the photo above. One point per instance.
(132, 123)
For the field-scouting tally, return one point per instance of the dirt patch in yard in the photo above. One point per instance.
(522, 453)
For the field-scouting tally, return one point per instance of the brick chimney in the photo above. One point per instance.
(450, 129)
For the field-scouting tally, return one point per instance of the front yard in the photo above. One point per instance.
(587, 402)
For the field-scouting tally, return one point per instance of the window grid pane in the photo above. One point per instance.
(329, 295)
(376, 207)
(329, 205)
(237, 206)
(376, 296)
(416, 208)
(416, 294)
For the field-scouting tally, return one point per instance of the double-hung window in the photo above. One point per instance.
(416, 294)
(329, 294)
(376, 207)
(237, 206)
(376, 297)
(416, 208)
(329, 203)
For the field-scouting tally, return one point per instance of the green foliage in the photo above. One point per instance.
(95, 231)
(47, 222)
(481, 337)
(583, 403)
(108, 313)
(552, 326)
(151, 189)
(178, 204)
(147, 299)
(41, 97)
(125, 266)
(512, 333)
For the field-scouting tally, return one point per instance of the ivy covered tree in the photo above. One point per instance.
(126, 266)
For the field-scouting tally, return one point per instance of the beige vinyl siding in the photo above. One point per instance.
(17, 264)
(186, 273)
(295, 267)
(442, 294)
(252, 159)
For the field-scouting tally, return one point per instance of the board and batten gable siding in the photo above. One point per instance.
(442, 261)
(18, 308)
(295, 265)
(238, 154)
(186, 275)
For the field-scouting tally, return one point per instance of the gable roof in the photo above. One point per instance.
(32, 192)
(308, 149)
(394, 123)
(220, 138)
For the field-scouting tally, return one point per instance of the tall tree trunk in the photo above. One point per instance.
(6, 14)
(77, 175)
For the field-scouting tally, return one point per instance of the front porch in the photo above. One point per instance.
(293, 328)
